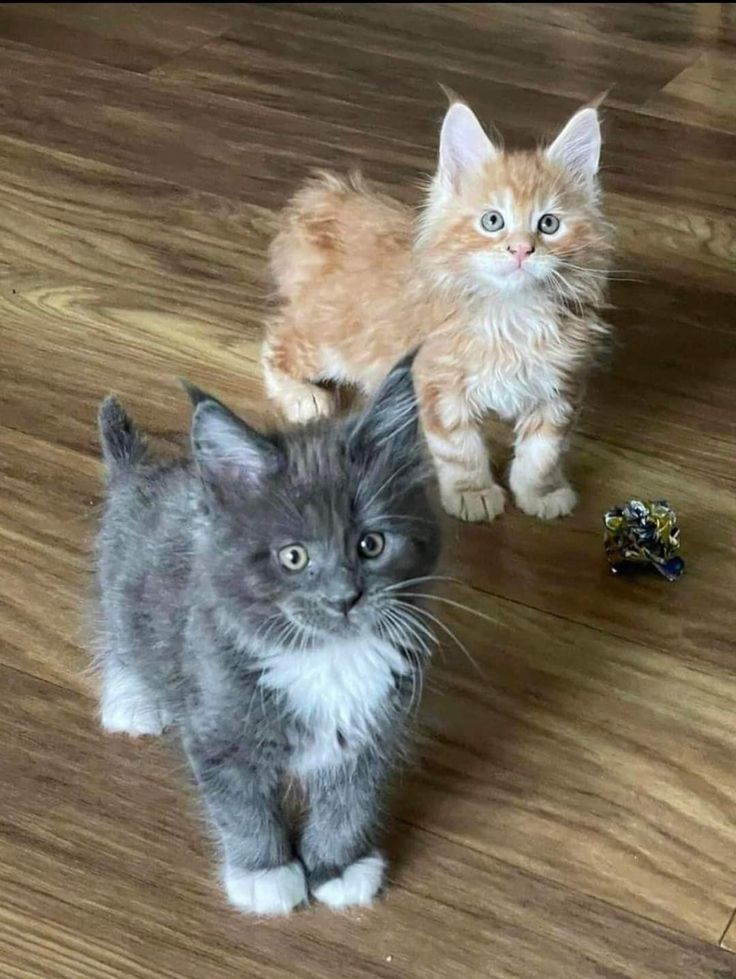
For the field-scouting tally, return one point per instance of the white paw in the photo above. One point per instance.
(317, 404)
(358, 884)
(275, 891)
(127, 707)
(474, 505)
(547, 506)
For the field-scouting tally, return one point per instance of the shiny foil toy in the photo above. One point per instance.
(642, 533)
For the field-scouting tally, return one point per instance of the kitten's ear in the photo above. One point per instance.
(391, 420)
(464, 145)
(228, 453)
(578, 147)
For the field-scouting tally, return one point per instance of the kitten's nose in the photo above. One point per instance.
(348, 602)
(520, 250)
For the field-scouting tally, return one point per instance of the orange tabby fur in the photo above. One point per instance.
(508, 319)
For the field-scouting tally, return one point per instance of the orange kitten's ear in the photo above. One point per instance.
(578, 147)
(463, 143)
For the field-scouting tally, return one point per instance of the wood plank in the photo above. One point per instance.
(263, 54)
(81, 221)
(117, 880)
(728, 939)
(568, 727)
(233, 147)
(134, 36)
(676, 246)
(701, 94)
(561, 568)
(196, 140)
(669, 25)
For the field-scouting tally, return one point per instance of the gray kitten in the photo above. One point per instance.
(257, 599)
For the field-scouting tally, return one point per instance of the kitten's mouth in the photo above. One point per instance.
(316, 625)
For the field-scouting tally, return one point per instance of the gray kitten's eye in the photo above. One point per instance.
(492, 221)
(294, 557)
(371, 545)
(548, 224)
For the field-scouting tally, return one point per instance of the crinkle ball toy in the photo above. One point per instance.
(643, 533)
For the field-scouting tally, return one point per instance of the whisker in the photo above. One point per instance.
(418, 629)
(450, 601)
(417, 681)
(385, 517)
(422, 578)
(450, 633)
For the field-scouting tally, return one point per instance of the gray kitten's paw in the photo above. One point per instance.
(275, 891)
(357, 884)
(127, 707)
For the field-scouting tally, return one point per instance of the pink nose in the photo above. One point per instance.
(520, 250)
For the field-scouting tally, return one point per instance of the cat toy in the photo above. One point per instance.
(643, 533)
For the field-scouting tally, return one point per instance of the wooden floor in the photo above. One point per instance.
(572, 813)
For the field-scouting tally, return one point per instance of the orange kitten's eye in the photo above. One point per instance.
(492, 221)
(548, 224)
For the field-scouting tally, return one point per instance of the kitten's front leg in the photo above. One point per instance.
(467, 487)
(242, 798)
(127, 704)
(338, 844)
(536, 478)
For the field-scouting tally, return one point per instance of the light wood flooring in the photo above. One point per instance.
(572, 812)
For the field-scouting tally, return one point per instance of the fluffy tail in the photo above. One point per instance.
(122, 444)
(310, 237)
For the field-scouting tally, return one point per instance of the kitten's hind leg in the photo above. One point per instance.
(127, 706)
(288, 366)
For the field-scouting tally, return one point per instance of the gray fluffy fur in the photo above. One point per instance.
(196, 609)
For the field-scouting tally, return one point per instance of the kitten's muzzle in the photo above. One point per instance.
(344, 605)
(521, 249)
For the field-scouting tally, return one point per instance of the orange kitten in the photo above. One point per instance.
(501, 279)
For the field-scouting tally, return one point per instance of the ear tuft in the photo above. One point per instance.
(228, 452)
(578, 146)
(464, 145)
(196, 395)
(391, 420)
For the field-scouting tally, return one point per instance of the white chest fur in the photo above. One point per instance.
(519, 365)
(338, 693)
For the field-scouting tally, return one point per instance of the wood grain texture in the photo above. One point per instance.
(134, 36)
(570, 809)
(700, 94)
(728, 939)
(120, 883)
(536, 53)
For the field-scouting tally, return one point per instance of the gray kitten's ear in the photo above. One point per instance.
(228, 452)
(391, 420)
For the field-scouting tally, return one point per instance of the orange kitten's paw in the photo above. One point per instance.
(474, 505)
(316, 403)
(548, 506)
